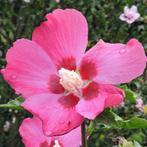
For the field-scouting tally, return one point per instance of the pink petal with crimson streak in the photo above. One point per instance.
(87, 69)
(28, 68)
(63, 36)
(90, 91)
(57, 119)
(92, 107)
(54, 84)
(116, 63)
(97, 97)
(92, 103)
(68, 101)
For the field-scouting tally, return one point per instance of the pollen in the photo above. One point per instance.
(70, 80)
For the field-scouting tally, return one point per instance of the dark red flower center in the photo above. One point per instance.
(74, 83)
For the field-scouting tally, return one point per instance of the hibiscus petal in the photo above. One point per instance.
(113, 95)
(116, 63)
(68, 101)
(63, 36)
(88, 69)
(56, 118)
(32, 135)
(28, 68)
(92, 107)
(71, 139)
(90, 91)
(54, 84)
(31, 132)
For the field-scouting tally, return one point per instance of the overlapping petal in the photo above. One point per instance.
(90, 108)
(56, 118)
(92, 103)
(97, 98)
(113, 96)
(71, 139)
(32, 135)
(63, 36)
(31, 132)
(116, 63)
(28, 68)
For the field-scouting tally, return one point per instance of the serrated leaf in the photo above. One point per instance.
(13, 104)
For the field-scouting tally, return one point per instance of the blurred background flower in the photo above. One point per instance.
(130, 15)
(139, 104)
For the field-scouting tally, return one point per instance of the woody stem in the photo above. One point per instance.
(83, 132)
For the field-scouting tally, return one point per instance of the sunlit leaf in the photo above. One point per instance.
(13, 104)
(130, 95)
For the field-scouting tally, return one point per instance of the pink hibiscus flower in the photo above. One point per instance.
(130, 14)
(32, 135)
(61, 83)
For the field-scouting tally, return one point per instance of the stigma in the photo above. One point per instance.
(56, 144)
(70, 80)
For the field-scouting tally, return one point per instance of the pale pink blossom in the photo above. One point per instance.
(130, 14)
(33, 136)
(139, 104)
(61, 83)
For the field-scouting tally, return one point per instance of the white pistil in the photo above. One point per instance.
(56, 144)
(70, 80)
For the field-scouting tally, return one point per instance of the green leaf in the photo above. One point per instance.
(110, 120)
(128, 2)
(13, 104)
(130, 95)
(91, 128)
(133, 123)
(137, 136)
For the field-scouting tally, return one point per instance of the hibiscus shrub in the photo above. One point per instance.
(107, 20)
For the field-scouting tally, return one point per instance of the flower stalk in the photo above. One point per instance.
(83, 133)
